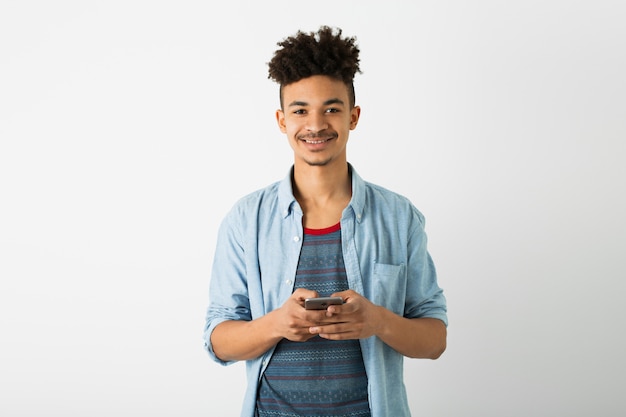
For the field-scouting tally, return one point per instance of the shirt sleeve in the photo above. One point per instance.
(228, 294)
(424, 296)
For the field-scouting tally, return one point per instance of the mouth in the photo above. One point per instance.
(316, 139)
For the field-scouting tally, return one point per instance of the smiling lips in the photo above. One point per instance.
(316, 139)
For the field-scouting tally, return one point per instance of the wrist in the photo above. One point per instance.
(270, 327)
(381, 321)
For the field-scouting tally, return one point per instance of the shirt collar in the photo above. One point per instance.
(287, 202)
(357, 203)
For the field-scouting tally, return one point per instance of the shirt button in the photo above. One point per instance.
(288, 282)
(296, 238)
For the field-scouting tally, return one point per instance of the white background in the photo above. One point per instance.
(128, 128)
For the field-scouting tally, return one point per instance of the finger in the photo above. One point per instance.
(345, 308)
(338, 336)
(335, 328)
(332, 310)
(302, 293)
(343, 294)
(346, 295)
(334, 336)
(316, 316)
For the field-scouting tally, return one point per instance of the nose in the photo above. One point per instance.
(316, 122)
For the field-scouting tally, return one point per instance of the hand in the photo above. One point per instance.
(293, 321)
(357, 318)
(243, 340)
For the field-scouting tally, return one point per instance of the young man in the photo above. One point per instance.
(323, 231)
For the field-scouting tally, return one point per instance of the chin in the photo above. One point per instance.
(317, 163)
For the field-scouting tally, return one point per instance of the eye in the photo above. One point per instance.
(299, 111)
(332, 110)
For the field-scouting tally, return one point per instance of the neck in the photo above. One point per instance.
(322, 193)
(321, 183)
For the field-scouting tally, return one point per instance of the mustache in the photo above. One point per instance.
(318, 135)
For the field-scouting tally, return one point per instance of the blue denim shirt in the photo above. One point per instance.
(386, 260)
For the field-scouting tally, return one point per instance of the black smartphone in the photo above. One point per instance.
(321, 303)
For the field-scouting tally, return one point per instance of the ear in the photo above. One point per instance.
(280, 119)
(354, 117)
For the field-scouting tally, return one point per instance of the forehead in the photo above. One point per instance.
(317, 89)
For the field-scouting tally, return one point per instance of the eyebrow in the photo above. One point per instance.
(326, 103)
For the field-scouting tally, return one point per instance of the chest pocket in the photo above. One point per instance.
(389, 287)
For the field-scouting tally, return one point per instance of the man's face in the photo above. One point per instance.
(317, 119)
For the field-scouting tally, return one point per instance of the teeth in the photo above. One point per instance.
(315, 141)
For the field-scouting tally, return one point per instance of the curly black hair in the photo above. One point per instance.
(324, 52)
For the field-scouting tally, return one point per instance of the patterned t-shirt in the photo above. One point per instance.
(318, 377)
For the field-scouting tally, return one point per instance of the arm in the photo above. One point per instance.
(415, 338)
(359, 318)
(242, 340)
(235, 340)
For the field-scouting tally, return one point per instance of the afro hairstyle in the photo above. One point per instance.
(324, 52)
